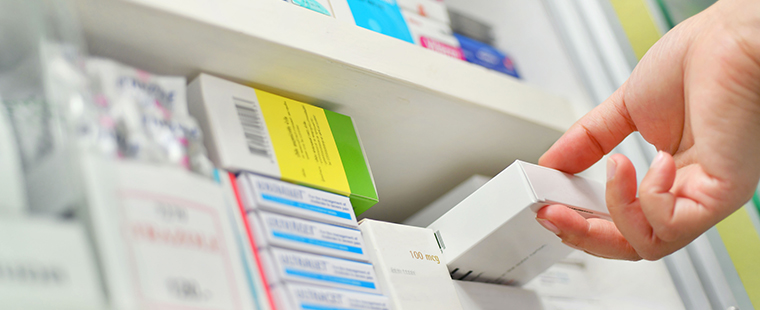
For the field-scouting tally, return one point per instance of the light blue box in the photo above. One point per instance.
(383, 16)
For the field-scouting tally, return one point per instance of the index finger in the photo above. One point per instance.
(591, 137)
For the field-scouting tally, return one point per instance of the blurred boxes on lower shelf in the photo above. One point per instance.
(492, 235)
(251, 130)
(295, 296)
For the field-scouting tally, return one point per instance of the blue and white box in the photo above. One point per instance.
(265, 194)
(485, 55)
(295, 296)
(320, 6)
(383, 16)
(284, 266)
(308, 236)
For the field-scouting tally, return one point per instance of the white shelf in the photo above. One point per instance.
(427, 121)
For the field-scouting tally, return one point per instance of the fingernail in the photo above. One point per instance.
(572, 246)
(657, 159)
(548, 225)
(611, 166)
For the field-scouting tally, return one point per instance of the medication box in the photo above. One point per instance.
(485, 55)
(320, 6)
(433, 35)
(308, 236)
(409, 266)
(251, 130)
(294, 296)
(493, 236)
(266, 194)
(285, 266)
(432, 9)
(383, 16)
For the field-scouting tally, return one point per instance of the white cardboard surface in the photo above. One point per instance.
(409, 266)
(47, 265)
(482, 296)
(492, 235)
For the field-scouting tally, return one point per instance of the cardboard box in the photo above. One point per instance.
(486, 56)
(295, 296)
(267, 194)
(47, 264)
(164, 237)
(493, 236)
(308, 236)
(484, 296)
(427, 8)
(284, 266)
(409, 266)
(383, 16)
(433, 35)
(320, 6)
(251, 130)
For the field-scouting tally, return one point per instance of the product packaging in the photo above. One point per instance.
(47, 264)
(383, 16)
(295, 296)
(409, 265)
(486, 56)
(267, 194)
(433, 9)
(493, 236)
(165, 237)
(285, 266)
(433, 35)
(252, 130)
(320, 6)
(484, 296)
(471, 27)
(308, 236)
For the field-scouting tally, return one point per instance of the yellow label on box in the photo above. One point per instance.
(303, 142)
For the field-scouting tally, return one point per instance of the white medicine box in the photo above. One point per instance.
(493, 236)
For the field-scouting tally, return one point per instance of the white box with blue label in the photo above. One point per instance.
(295, 296)
(285, 266)
(267, 194)
(308, 236)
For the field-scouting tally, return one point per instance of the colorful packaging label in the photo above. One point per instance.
(314, 5)
(443, 48)
(313, 237)
(294, 296)
(293, 266)
(262, 193)
(383, 16)
(487, 56)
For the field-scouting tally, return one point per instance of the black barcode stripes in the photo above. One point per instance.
(253, 127)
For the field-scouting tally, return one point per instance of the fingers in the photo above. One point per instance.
(657, 202)
(593, 136)
(595, 236)
(622, 203)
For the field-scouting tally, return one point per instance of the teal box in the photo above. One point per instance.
(383, 16)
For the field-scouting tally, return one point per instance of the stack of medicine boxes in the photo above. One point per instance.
(429, 24)
(310, 248)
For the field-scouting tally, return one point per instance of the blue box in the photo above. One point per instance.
(485, 55)
(383, 16)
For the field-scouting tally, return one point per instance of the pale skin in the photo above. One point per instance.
(696, 97)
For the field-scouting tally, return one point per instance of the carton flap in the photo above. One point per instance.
(553, 186)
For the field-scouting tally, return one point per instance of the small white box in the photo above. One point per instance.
(46, 264)
(283, 266)
(428, 8)
(433, 35)
(308, 236)
(484, 296)
(409, 266)
(294, 296)
(493, 236)
(266, 194)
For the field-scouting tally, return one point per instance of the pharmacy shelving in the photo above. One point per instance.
(427, 121)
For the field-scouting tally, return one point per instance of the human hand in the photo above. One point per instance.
(695, 96)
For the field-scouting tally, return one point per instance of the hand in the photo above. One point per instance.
(696, 97)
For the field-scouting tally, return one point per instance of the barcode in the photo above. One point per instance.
(253, 127)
